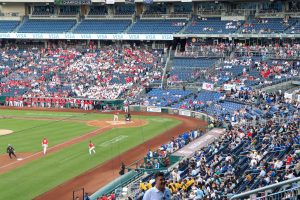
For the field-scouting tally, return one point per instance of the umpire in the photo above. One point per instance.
(11, 151)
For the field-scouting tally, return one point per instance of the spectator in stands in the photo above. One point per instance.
(159, 191)
(86, 196)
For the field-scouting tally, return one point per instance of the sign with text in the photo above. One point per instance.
(70, 36)
(153, 109)
(185, 113)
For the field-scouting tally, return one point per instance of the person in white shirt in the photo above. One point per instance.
(262, 173)
(278, 164)
(290, 175)
(253, 163)
(159, 191)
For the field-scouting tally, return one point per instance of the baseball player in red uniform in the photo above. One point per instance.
(91, 148)
(45, 145)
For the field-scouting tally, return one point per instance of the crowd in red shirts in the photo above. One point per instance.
(50, 102)
(60, 71)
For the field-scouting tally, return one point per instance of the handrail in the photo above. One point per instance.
(248, 193)
(165, 69)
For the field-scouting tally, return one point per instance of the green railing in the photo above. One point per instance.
(117, 183)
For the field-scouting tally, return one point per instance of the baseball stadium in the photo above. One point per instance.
(149, 99)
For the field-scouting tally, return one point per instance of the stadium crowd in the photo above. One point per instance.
(160, 158)
(63, 74)
(248, 65)
(251, 154)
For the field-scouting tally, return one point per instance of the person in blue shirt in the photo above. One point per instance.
(199, 194)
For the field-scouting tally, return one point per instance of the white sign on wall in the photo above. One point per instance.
(153, 109)
(229, 86)
(288, 96)
(110, 1)
(185, 113)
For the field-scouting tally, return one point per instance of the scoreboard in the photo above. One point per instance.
(73, 2)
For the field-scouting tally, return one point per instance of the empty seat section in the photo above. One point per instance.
(46, 26)
(213, 26)
(102, 26)
(158, 26)
(8, 26)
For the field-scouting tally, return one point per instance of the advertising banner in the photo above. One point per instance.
(75, 36)
(153, 109)
(185, 113)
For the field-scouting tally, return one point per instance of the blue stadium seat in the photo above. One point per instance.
(8, 25)
(46, 26)
(102, 26)
(157, 26)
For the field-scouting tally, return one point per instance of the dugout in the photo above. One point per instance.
(111, 104)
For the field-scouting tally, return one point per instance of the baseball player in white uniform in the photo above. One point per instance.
(45, 145)
(116, 116)
(91, 148)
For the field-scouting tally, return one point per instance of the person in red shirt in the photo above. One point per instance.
(21, 104)
(42, 102)
(103, 197)
(7, 101)
(288, 161)
(249, 134)
(112, 196)
(77, 103)
(91, 148)
(11, 101)
(45, 145)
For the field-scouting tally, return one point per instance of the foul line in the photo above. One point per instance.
(40, 152)
(114, 140)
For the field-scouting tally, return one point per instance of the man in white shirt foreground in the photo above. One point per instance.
(159, 191)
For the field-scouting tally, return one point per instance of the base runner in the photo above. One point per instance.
(45, 145)
(91, 148)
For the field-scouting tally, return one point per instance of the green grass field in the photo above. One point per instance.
(41, 175)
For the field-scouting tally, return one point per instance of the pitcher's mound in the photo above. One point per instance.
(118, 122)
(5, 131)
(134, 123)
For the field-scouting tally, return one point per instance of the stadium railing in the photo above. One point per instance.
(289, 189)
(117, 183)
(165, 16)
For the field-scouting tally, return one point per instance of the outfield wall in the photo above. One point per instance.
(172, 111)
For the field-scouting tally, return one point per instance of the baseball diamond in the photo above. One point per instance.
(66, 137)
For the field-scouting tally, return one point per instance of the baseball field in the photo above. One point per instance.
(34, 175)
